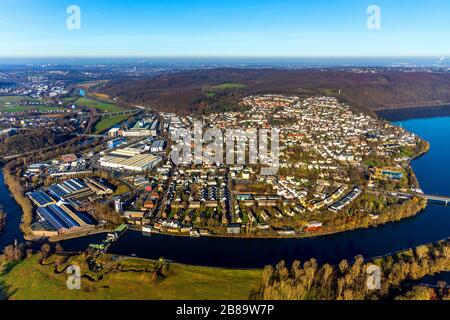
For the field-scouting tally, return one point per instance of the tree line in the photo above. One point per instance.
(398, 275)
(25, 142)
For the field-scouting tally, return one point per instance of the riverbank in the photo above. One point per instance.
(126, 278)
(2, 221)
(16, 190)
(11, 231)
(396, 273)
(419, 207)
(108, 277)
(69, 236)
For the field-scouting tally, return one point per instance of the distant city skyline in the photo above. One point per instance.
(199, 28)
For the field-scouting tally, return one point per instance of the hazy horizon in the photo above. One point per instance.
(237, 61)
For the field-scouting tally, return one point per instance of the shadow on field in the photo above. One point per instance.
(5, 290)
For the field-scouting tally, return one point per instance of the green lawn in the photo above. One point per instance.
(101, 106)
(10, 99)
(30, 280)
(228, 86)
(106, 123)
(15, 104)
(210, 91)
(14, 100)
(41, 108)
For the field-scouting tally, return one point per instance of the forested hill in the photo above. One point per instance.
(219, 89)
(26, 142)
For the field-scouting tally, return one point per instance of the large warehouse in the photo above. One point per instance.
(62, 218)
(41, 198)
(68, 189)
(139, 162)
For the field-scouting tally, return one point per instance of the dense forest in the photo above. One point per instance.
(399, 278)
(198, 90)
(34, 140)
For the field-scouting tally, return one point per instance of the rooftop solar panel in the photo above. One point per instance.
(51, 218)
(62, 215)
(74, 184)
(57, 191)
(64, 188)
(41, 198)
(79, 182)
(69, 186)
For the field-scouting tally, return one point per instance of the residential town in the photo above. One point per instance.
(331, 156)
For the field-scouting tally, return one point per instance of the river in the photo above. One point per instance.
(433, 224)
(11, 232)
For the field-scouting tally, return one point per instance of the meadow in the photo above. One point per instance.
(129, 279)
(99, 105)
(109, 122)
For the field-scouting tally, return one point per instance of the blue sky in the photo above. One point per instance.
(224, 28)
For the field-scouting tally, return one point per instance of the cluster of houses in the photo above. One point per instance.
(197, 192)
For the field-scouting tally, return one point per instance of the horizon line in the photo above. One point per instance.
(219, 56)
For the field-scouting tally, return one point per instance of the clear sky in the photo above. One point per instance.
(224, 28)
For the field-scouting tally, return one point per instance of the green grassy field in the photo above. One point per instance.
(211, 91)
(15, 100)
(30, 280)
(210, 94)
(42, 108)
(10, 99)
(101, 106)
(14, 104)
(228, 86)
(106, 123)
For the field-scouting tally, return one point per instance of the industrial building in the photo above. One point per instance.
(138, 163)
(62, 218)
(41, 198)
(158, 146)
(69, 189)
(143, 128)
(61, 205)
(114, 132)
(127, 152)
(98, 187)
(116, 143)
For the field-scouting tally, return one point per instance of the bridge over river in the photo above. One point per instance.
(445, 200)
(439, 199)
